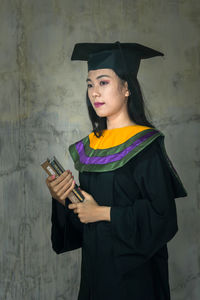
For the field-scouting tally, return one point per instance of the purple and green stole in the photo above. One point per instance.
(101, 160)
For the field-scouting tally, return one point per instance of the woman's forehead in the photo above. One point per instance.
(101, 72)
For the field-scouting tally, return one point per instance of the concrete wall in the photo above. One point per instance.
(43, 110)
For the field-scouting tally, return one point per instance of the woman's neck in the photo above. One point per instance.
(119, 122)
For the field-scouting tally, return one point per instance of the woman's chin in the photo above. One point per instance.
(101, 114)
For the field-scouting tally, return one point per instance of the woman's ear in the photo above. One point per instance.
(127, 92)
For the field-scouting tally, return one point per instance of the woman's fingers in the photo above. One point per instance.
(60, 178)
(64, 187)
(57, 184)
(50, 179)
(76, 207)
(68, 191)
(72, 206)
(66, 182)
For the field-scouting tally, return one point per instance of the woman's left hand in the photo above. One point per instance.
(88, 210)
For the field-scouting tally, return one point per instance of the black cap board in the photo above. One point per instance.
(123, 58)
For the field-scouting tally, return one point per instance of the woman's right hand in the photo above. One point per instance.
(61, 187)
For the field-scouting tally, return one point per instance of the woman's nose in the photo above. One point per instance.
(95, 92)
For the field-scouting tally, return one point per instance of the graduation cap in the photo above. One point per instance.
(123, 58)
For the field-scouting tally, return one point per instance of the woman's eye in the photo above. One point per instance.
(103, 82)
(89, 85)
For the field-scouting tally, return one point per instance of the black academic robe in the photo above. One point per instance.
(125, 258)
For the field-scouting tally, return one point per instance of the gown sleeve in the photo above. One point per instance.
(147, 225)
(66, 229)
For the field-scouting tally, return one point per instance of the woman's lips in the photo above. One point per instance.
(98, 104)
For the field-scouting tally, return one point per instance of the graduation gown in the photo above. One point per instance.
(127, 169)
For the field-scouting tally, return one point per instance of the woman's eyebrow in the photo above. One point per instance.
(100, 76)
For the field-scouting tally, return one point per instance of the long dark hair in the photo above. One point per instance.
(135, 106)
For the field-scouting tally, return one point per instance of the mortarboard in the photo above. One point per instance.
(123, 58)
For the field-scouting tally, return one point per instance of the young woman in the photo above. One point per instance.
(128, 182)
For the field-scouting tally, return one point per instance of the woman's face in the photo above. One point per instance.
(107, 93)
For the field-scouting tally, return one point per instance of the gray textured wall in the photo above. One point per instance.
(43, 111)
